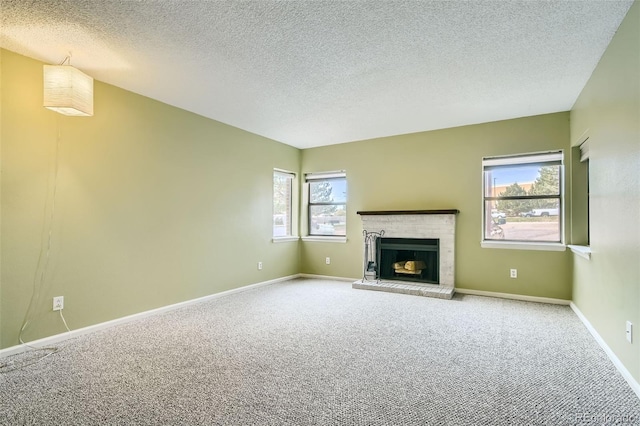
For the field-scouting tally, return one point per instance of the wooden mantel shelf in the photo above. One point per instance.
(398, 212)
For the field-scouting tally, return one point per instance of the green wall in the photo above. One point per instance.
(442, 170)
(606, 288)
(154, 205)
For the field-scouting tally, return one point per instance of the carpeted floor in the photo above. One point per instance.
(316, 352)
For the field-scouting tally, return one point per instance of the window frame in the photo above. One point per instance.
(544, 158)
(291, 177)
(580, 198)
(584, 158)
(317, 177)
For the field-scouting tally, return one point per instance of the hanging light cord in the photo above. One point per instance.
(41, 269)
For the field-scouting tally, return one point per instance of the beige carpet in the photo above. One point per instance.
(315, 352)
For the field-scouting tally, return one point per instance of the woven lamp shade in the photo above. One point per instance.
(68, 90)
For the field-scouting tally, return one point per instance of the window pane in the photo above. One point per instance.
(523, 220)
(281, 205)
(328, 191)
(526, 179)
(328, 220)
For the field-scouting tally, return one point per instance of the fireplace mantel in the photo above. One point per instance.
(399, 212)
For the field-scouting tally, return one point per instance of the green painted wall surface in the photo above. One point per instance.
(442, 170)
(607, 287)
(154, 205)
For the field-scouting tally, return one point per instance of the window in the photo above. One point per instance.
(282, 202)
(327, 208)
(523, 200)
(584, 159)
(579, 233)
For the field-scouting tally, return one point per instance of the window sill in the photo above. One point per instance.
(285, 239)
(582, 251)
(514, 245)
(324, 239)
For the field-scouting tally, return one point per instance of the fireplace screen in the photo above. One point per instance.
(408, 259)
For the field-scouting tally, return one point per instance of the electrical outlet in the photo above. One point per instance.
(58, 303)
(629, 332)
(514, 273)
(259, 266)
(327, 261)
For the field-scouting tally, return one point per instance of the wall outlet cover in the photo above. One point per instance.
(58, 303)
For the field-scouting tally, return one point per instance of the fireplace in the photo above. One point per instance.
(424, 237)
(408, 259)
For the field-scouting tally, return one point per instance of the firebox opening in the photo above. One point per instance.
(409, 259)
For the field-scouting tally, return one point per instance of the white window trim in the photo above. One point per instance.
(325, 175)
(285, 239)
(324, 239)
(529, 158)
(517, 245)
(582, 251)
(584, 150)
(283, 172)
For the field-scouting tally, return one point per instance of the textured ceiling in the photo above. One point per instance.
(310, 73)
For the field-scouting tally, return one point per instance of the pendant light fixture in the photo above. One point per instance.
(68, 90)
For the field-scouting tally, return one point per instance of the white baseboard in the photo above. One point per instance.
(328, 277)
(514, 296)
(635, 386)
(51, 340)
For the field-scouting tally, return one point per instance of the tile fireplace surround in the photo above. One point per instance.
(435, 224)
